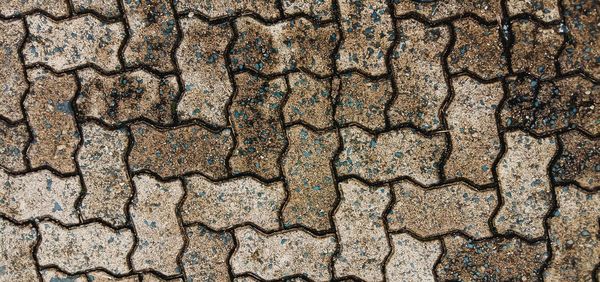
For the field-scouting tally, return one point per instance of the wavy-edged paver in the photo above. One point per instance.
(579, 160)
(16, 252)
(206, 255)
(362, 101)
(583, 47)
(55, 8)
(441, 10)
(55, 275)
(217, 9)
(101, 276)
(12, 76)
(545, 10)
(412, 259)
(321, 10)
(13, 146)
(535, 48)
(310, 100)
(106, 8)
(363, 242)
(225, 204)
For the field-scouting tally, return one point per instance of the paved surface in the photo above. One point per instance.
(299, 140)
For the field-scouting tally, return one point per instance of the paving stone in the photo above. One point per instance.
(441, 210)
(103, 167)
(207, 253)
(255, 117)
(237, 201)
(261, 254)
(419, 75)
(101, 276)
(520, 105)
(152, 34)
(524, 184)
(55, 275)
(320, 10)
(12, 77)
(39, 194)
(73, 43)
(573, 230)
(149, 277)
(441, 10)
(78, 247)
(285, 46)
(107, 8)
(362, 101)
(582, 51)
(411, 259)
(478, 49)
(545, 10)
(535, 48)
(127, 96)
(13, 146)
(16, 246)
(308, 171)
(201, 57)
(363, 242)
(495, 259)
(310, 101)
(157, 227)
(471, 119)
(56, 8)
(180, 150)
(390, 155)
(215, 9)
(579, 160)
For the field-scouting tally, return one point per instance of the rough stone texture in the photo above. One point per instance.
(310, 101)
(309, 174)
(206, 256)
(440, 10)
(361, 231)
(13, 146)
(255, 117)
(583, 45)
(101, 160)
(16, 249)
(157, 227)
(545, 10)
(175, 151)
(216, 9)
(56, 8)
(320, 10)
(471, 119)
(284, 46)
(524, 184)
(368, 33)
(496, 259)
(128, 96)
(12, 75)
(411, 259)
(579, 160)
(390, 155)
(441, 210)
(152, 34)
(535, 48)
(107, 8)
(54, 275)
(79, 247)
(150, 277)
(573, 231)
(39, 194)
(362, 101)
(101, 276)
(419, 75)
(478, 49)
(51, 120)
(278, 255)
(72, 43)
(238, 201)
(203, 71)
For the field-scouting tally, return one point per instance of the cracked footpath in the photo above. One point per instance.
(299, 140)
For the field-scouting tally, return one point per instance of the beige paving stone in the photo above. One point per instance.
(471, 118)
(545, 10)
(579, 160)
(101, 160)
(308, 171)
(51, 120)
(216, 9)
(495, 259)
(101, 276)
(13, 146)
(441, 210)
(73, 42)
(16, 248)
(535, 48)
(207, 253)
(201, 58)
(411, 259)
(583, 49)
(389, 155)
(56, 8)
(55, 275)
(310, 101)
(440, 10)
(157, 227)
(152, 34)
(282, 254)
(127, 96)
(237, 201)
(12, 77)
(368, 33)
(39, 194)
(180, 150)
(419, 75)
(150, 277)
(361, 231)
(318, 9)
(362, 101)
(107, 8)
(255, 117)
(478, 49)
(524, 184)
(573, 231)
(84, 247)
(285, 46)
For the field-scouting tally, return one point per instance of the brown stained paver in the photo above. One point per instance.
(438, 10)
(412, 259)
(545, 10)
(56, 8)
(310, 101)
(12, 77)
(579, 160)
(13, 146)
(362, 101)
(535, 48)
(583, 45)
(206, 255)
(217, 9)
(16, 245)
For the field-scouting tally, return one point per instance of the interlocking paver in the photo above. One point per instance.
(12, 76)
(53, 275)
(205, 257)
(362, 101)
(107, 8)
(579, 160)
(545, 10)
(56, 8)
(310, 100)
(101, 276)
(216, 9)
(13, 146)
(412, 259)
(439, 10)
(583, 47)
(318, 9)
(16, 246)
(535, 48)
